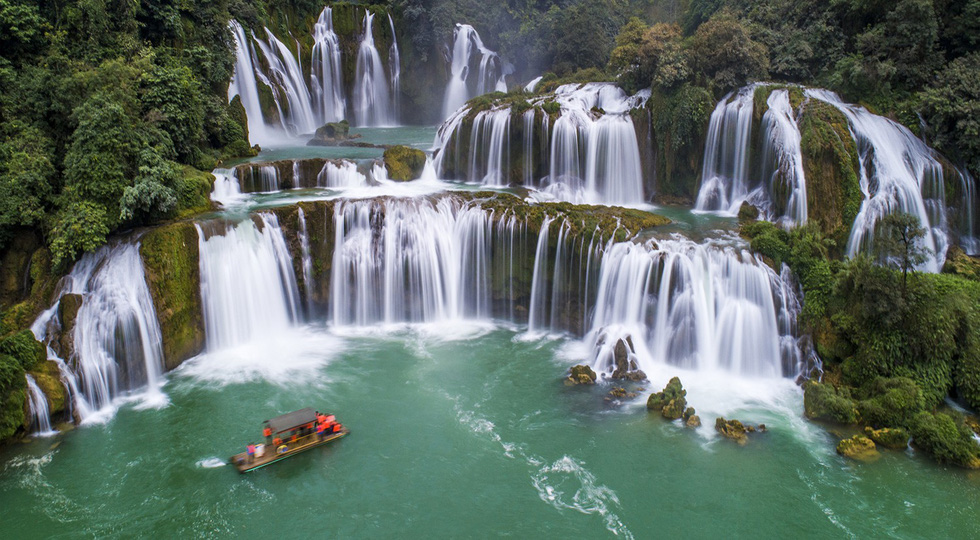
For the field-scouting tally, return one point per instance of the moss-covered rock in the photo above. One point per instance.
(64, 342)
(960, 264)
(891, 402)
(15, 261)
(625, 362)
(894, 438)
(404, 163)
(671, 402)
(831, 166)
(823, 401)
(859, 448)
(331, 133)
(732, 429)
(171, 259)
(939, 435)
(581, 374)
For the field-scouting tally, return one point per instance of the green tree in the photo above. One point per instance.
(26, 175)
(951, 108)
(726, 55)
(898, 242)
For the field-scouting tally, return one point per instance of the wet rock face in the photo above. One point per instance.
(624, 357)
(331, 133)
(858, 447)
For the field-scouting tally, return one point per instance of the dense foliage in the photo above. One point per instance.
(890, 351)
(101, 104)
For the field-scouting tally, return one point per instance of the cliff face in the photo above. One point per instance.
(171, 262)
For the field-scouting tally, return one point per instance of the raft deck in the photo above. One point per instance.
(241, 462)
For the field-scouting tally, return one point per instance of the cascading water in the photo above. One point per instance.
(372, 98)
(591, 150)
(116, 337)
(340, 175)
(413, 260)
(697, 306)
(326, 79)
(307, 262)
(301, 104)
(38, 407)
(899, 173)
(725, 178)
(245, 85)
(395, 66)
(782, 160)
(491, 77)
(489, 149)
(248, 285)
(287, 82)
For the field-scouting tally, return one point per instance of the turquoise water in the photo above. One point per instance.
(469, 434)
(420, 137)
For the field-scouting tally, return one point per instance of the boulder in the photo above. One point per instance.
(822, 401)
(858, 447)
(732, 429)
(671, 402)
(624, 361)
(404, 163)
(691, 419)
(581, 374)
(894, 438)
(331, 134)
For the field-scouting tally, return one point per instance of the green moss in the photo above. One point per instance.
(891, 402)
(831, 166)
(671, 403)
(822, 401)
(960, 264)
(404, 163)
(24, 348)
(171, 260)
(946, 440)
(894, 438)
(679, 125)
(194, 191)
(13, 397)
(858, 447)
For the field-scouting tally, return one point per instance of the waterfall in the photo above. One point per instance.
(536, 312)
(414, 260)
(591, 151)
(489, 147)
(244, 84)
(227, 187)
(248, 285)
(697, 306)
(307, 261)
(968, 216)
(340, 175)
(116, 338)
(38, 407)
(725, 177)
(899, 173)
(303, 104)
(372, 101)
(614, 172)
(326, 79)
(394, 65)
(258, 179)
(782, 160)
(491, 77)
(286, 80)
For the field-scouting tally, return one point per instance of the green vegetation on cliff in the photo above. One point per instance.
(171, 262)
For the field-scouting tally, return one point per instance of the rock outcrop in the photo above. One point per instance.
(671, 403)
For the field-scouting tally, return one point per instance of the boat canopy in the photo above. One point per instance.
(292, 420)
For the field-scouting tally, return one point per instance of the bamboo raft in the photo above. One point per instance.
(287, 423)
